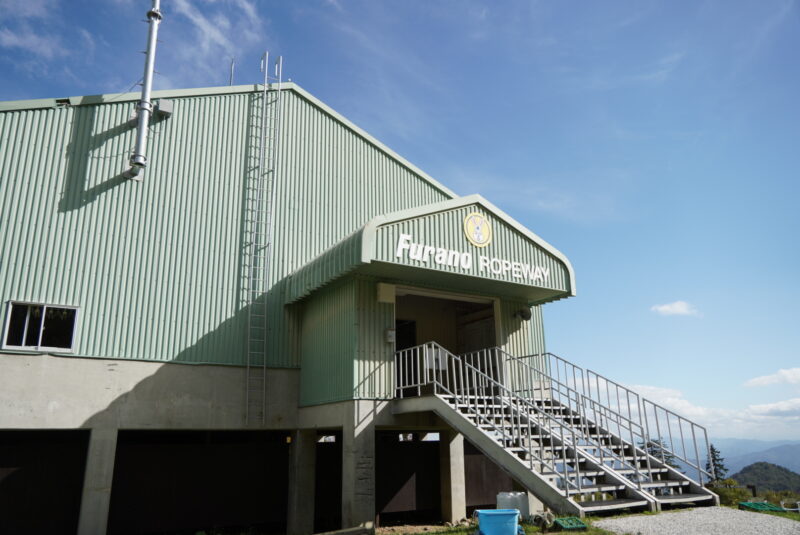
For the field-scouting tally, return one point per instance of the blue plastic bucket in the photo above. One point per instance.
(497, 521)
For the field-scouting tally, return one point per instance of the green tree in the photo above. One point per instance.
(730, 493)
(716, 464)
(658, 448)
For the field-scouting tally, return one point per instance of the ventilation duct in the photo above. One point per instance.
(145, 108)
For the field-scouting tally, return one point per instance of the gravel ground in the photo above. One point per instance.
(701, 521)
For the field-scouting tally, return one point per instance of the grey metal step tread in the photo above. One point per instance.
(609, 505)
(603, 487)
(632, 471)
(482, 407)
(586, 473)
(570, 460)
(684, 498)
(607, 446)
(666, 483)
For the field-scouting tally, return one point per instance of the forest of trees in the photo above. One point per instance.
(768, 476)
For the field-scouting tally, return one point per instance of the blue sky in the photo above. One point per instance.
(656, 143)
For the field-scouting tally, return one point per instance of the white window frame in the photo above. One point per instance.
(39, 348)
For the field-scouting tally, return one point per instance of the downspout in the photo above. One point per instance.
(145, 109)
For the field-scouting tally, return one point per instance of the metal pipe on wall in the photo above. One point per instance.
(145, 108)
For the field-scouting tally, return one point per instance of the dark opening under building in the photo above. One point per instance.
(282, 324)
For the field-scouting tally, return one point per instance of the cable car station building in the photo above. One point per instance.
(281, 323)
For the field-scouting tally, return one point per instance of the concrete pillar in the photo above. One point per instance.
(358, 466)
(453, 482)
(96, 497)
(302, 469)
(535, 505)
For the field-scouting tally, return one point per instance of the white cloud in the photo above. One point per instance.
(208, 33)
(25, 39)
(789, 407)
(661, 70)
(205, 35)
(27, 9)
(790, 376)
(676, 308)
(779, 420)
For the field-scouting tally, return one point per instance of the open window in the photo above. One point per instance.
(38, 327)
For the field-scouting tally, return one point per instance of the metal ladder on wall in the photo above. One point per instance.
(256, 258)
(577, 454)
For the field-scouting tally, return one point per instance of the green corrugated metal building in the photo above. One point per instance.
(129, 305)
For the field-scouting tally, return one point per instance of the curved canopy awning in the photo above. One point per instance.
(464, 244)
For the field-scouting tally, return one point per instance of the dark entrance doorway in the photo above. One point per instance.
(406, 334)
(41, 479)
(458, 325)
(328, 482)
(407, 478)
(188, 481)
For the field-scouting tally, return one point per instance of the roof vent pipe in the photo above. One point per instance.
(145, 108)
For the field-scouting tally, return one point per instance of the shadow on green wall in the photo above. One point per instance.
(82, 143)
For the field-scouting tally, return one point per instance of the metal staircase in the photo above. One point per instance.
(256, 257)
(566, 442)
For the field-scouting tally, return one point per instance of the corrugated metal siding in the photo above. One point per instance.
(335, 262)
(330, 182)
(328, 341)
(446, 230)
(156, 265)
(518, 337)
(374, 366)
(152, 265)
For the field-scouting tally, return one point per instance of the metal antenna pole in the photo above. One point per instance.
(145, 108)
(233, 64)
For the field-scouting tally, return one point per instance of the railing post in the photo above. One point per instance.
(697, 456)
(712, 471)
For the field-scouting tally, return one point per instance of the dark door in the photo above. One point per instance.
(407, 364)
(406, 334)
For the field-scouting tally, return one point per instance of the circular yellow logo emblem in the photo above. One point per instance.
(477, 229)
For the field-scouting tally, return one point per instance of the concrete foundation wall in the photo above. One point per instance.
(49, 392)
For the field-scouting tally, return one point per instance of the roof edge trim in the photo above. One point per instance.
(367, 254)
(19, 105)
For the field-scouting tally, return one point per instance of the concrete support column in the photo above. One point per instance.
(302, 470)
(96, 497)
(535, 505)
(358, 466)
(453, 482)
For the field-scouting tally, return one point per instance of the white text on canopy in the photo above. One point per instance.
(429, 254)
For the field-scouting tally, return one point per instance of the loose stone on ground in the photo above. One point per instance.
(701, 521)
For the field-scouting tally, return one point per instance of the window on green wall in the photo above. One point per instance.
(38, 327)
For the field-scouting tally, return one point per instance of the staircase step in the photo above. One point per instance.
(611, 505)
(602, 487)
(626, 471)
(684, 498)
(666, 483)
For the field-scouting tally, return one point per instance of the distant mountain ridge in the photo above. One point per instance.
(736, 447)
(787, 456)
(768, 476)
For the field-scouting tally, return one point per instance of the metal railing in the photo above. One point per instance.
(660, 432)
(431, 367)
(533, 383)
(476, 383)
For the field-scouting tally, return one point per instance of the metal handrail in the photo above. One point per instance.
(450, 374)
(606, 391)
(464, 381)
(582, 406)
